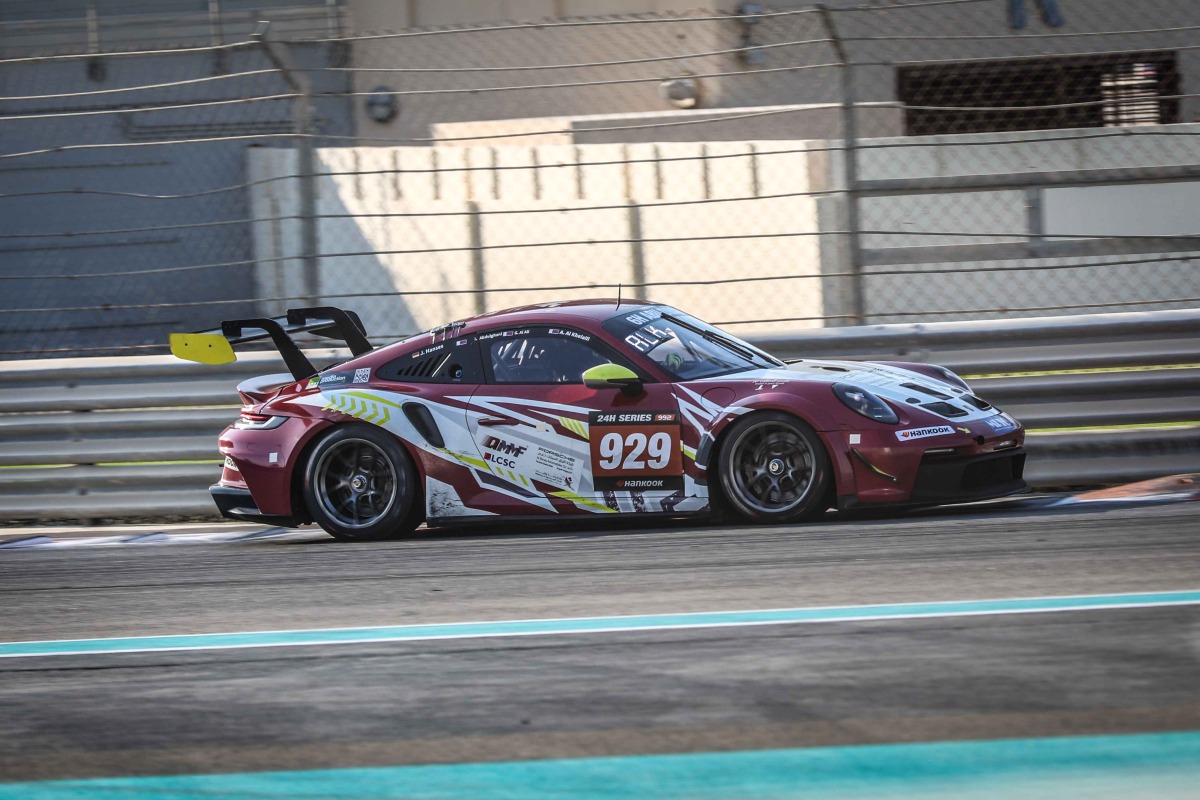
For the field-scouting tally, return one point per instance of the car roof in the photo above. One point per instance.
(597, 310)
(566, 312)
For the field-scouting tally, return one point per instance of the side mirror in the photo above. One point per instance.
(613, 376)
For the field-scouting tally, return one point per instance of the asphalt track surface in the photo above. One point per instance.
(740, 690)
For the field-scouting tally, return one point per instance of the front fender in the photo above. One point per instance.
(825, 421)
(806, 408)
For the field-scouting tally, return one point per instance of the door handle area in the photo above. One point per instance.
(493, 421)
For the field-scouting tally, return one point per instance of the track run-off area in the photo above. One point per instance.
(1016, 648)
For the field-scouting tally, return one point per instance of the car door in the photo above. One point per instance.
(553, 445)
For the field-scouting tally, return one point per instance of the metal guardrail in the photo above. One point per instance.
(135, 437)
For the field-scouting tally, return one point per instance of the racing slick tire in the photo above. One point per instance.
(360, 485)
(773, 468)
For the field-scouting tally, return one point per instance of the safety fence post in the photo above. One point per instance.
(306, 167)
(858, 311)
(478, 267)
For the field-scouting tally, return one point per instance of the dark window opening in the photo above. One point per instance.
(542, 358)
(1040, 94)
(453, 362)
(546, 355)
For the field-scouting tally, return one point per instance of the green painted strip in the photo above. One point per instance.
(1145, 426)
(585, 625)
(207, 461)
(1082, 371)
(1163, 766)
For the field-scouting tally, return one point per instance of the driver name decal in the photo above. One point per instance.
(635, 451)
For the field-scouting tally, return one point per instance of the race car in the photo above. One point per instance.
(588, 408)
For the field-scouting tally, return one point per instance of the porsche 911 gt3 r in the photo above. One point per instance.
(588, 408)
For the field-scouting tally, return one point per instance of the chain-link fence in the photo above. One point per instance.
(766, 168)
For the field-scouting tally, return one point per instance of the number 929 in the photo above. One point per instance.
(635, 451)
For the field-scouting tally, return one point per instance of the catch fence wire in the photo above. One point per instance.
(146, 191)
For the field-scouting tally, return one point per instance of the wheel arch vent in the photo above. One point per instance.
(422, 419)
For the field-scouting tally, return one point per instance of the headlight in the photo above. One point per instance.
(950, 378)
(863, 402)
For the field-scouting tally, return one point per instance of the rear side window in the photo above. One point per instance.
(543, 355)
(455, 361)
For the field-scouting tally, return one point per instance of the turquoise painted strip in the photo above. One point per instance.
(547, 627)
(1159, 766)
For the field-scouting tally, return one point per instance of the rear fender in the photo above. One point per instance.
(296, 480)
(267, 459)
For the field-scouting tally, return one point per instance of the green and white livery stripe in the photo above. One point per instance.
(583, 502)
(362, 405)
(576, 427)
(470, 461)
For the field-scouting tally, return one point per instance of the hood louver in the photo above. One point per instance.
(916, 387)
(982, 405)
(945, 409)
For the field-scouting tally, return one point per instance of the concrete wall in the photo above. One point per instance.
(99, 26)
(514, 206)
(171, 206)
(547, 195)
(814, 121)
(377, 15)
(981, 222)
(798, 69)
(660, 50)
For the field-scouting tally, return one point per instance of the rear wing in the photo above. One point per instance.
(216, 346)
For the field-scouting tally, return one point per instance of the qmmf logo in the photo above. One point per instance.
(501, 446)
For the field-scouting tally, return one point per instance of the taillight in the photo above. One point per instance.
(249, 421)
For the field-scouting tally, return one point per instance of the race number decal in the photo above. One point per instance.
(635, 451)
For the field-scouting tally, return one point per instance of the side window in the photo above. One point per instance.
(454, 361)
(551, 355)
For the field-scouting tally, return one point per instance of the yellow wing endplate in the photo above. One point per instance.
(203, 348)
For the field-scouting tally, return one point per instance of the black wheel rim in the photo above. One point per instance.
(355, 483)
(772, 467)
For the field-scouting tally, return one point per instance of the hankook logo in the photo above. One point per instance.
(923, 433)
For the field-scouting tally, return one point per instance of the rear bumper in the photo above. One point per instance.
(235, 503)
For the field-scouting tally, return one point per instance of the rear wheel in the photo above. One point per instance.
(360, 485)
(773, 468)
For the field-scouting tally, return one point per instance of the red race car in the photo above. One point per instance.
(595, 407)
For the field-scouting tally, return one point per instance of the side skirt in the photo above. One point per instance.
(553, 520)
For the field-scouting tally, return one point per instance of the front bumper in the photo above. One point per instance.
(235, 503)
(942, 480)
(961, 480)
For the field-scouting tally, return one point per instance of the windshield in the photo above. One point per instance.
(685, 347)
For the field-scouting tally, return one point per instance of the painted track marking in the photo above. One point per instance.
(594, 625)
(1163, 766)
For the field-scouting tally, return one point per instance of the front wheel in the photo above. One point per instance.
(773, 468)
(360, 485)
